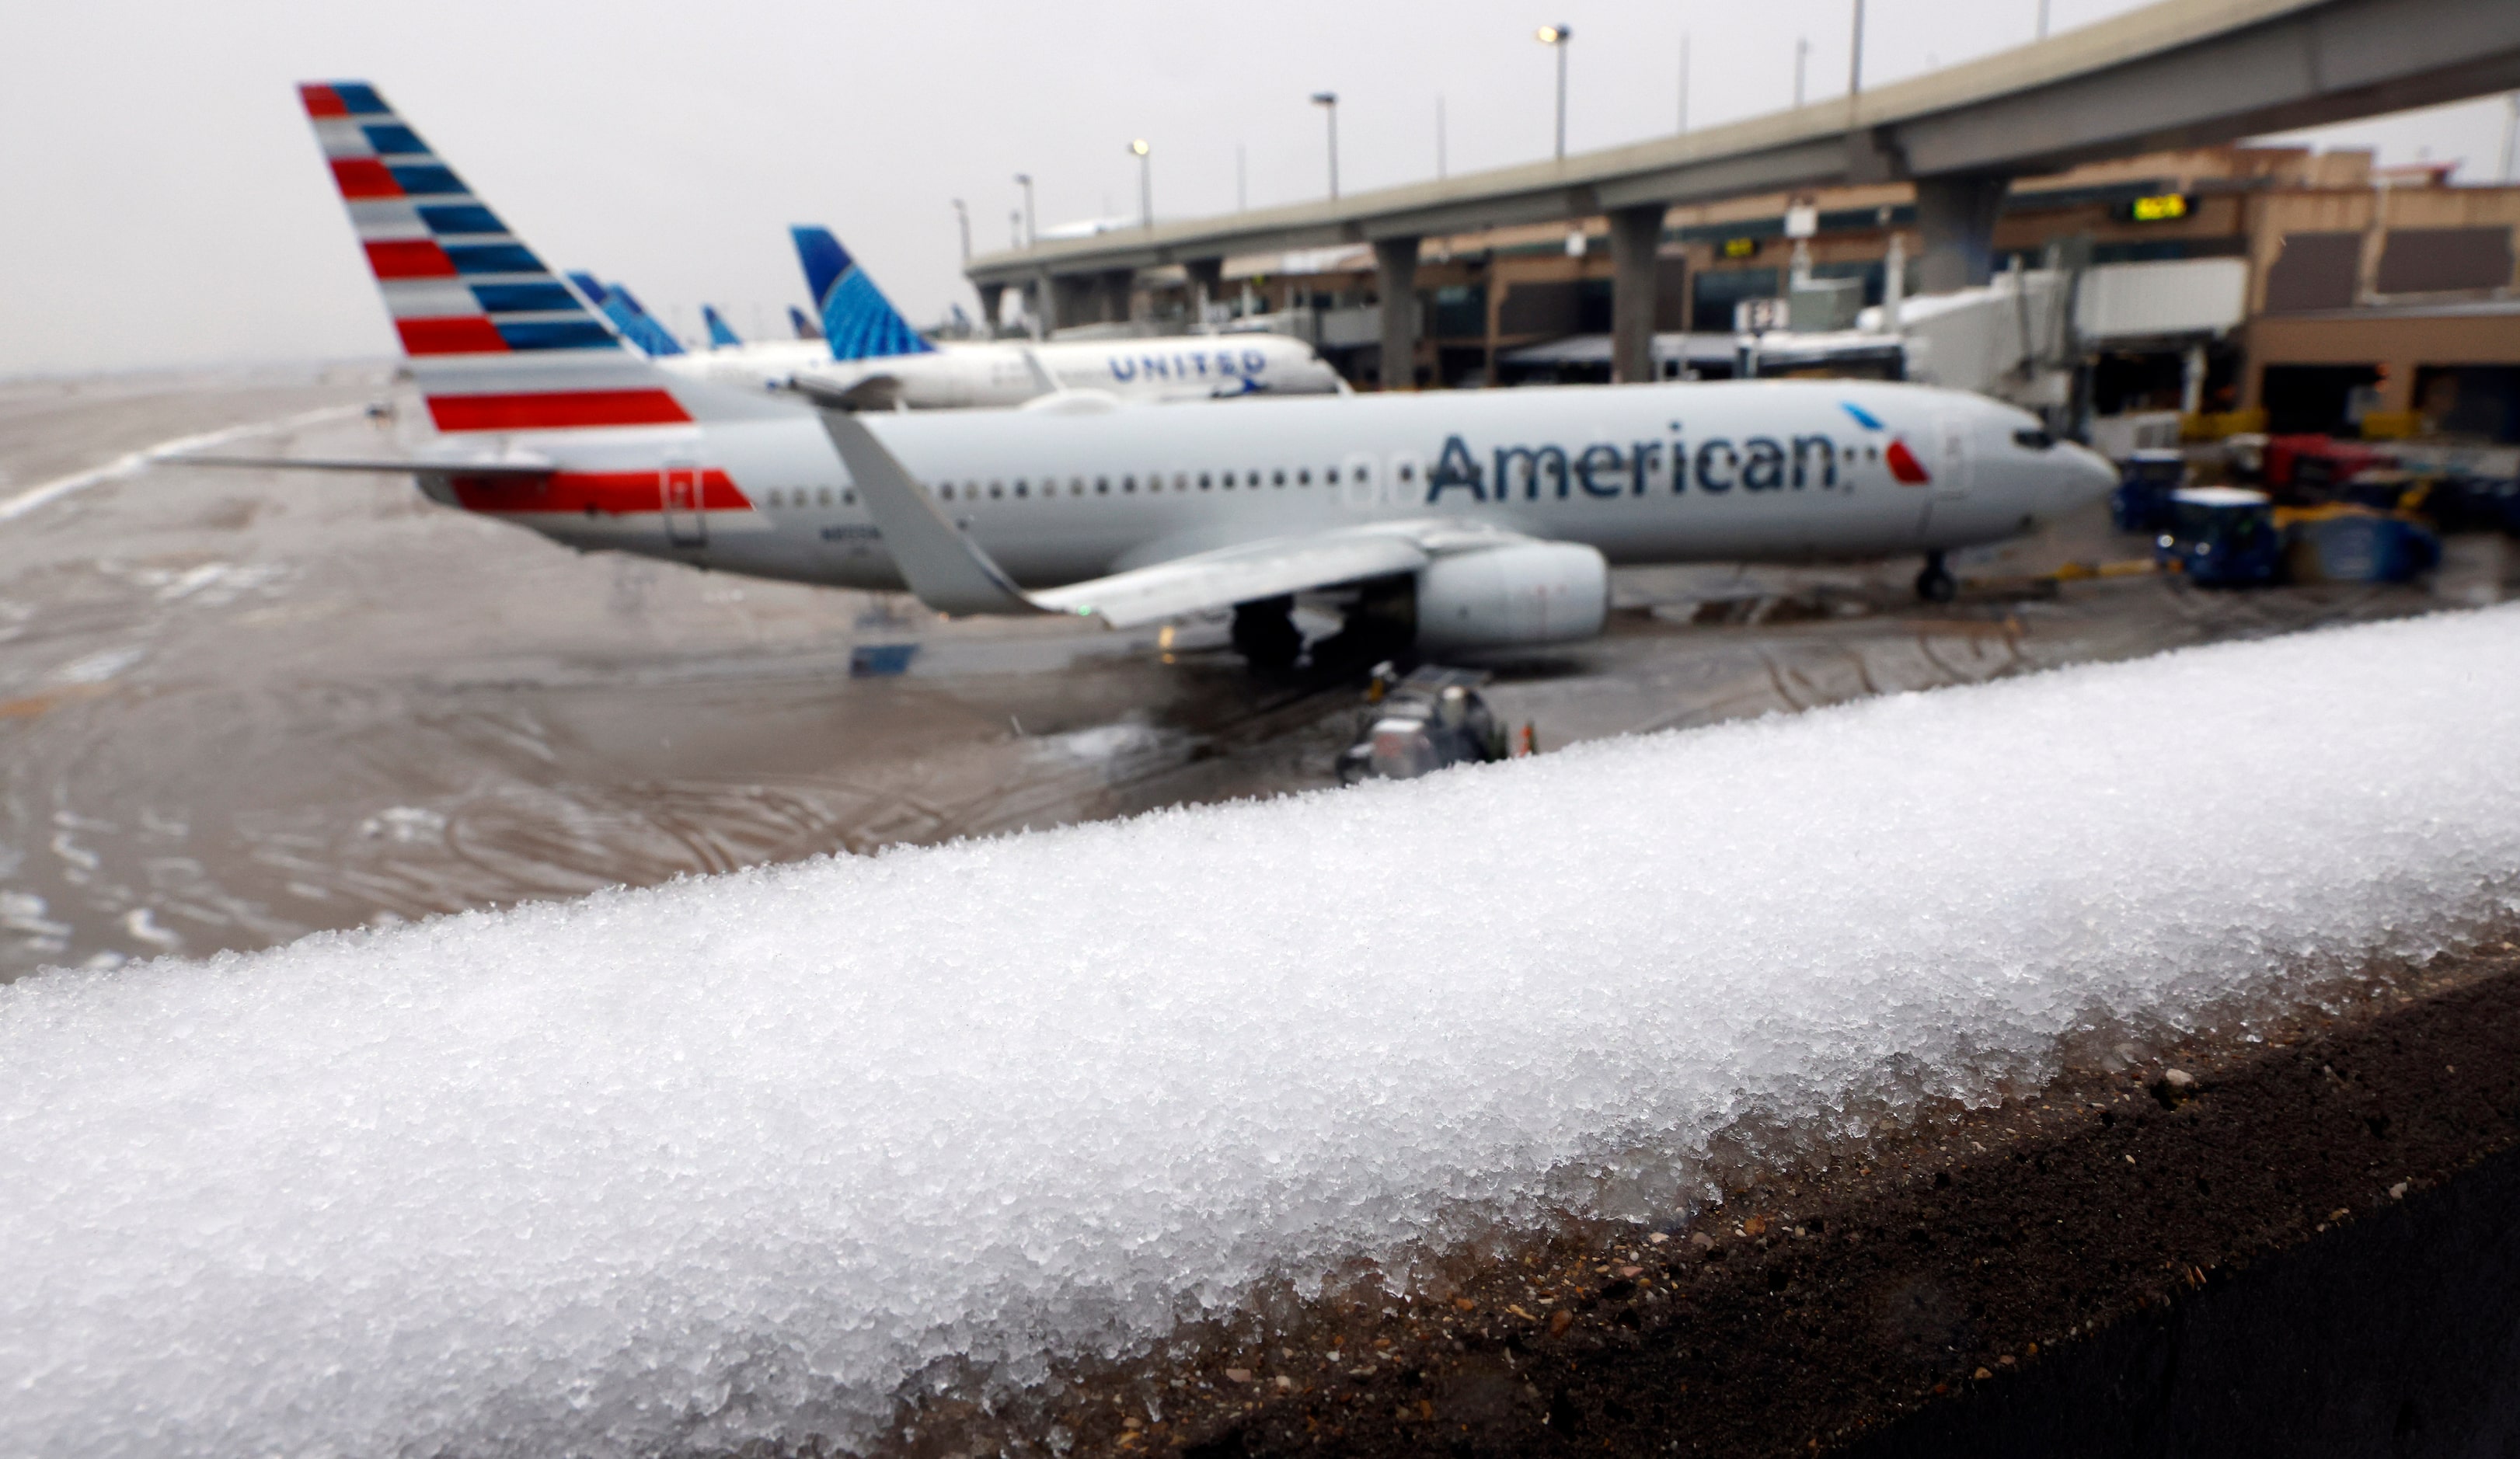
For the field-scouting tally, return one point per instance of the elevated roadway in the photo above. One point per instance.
(2179, 73)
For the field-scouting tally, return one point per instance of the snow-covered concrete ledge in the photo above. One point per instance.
(731, 1159)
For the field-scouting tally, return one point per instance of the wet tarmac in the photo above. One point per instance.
(239, 706)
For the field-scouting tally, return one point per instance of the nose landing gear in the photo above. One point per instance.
(1936, 584)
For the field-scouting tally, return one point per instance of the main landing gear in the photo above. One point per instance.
(1934, 585)
(1265, 633)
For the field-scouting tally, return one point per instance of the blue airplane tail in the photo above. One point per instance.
(721, 337)
(860, 322)
(804, 324)
(635, 324)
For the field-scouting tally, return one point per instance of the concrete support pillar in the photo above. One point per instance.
(1112, 292)
(992, 295)
(1207, 285)
(1071, 301)
(1395, 268)
(1636, 249)
(1956, 215)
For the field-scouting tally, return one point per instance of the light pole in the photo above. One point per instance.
(1555, 38)
(1014, 228)
(1032, 238)
(1855, 66)
(963, 216)
(1684, 84)
(1145, 182)
(2512, 137)
(2043, 19)
(1802, 54)
(1328, 101)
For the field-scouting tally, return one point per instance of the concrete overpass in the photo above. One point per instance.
(2179, 73)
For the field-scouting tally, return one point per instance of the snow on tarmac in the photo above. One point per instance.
(728, 1158)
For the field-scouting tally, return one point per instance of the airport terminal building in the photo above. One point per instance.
(2326, 294)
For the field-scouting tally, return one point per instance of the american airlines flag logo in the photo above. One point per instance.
(1904, 468)
(519, 349)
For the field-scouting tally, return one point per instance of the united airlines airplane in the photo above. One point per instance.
(868, 347)
(1464, 520)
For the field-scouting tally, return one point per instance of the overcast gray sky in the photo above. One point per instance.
(167, 204)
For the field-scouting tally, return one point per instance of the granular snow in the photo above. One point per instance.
(728, 1158)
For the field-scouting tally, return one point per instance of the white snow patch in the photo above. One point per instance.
(728, 1158)
(405, 825)
(99, 667)
(1107, 742)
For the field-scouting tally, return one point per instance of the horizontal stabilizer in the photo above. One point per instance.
(510, 468)
(872, 392)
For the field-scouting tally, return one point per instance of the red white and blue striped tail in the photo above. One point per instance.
(497, 341)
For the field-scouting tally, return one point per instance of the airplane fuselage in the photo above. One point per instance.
(1008, 373)
(1774, 470)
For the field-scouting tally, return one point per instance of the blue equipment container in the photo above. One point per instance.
(880, 660)
(2141, 501)
(2220, 537)
(2347, 546)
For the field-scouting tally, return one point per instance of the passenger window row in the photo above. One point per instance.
(1180, 481)
(1022, 487)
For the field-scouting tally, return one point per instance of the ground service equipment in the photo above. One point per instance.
(1419, 724)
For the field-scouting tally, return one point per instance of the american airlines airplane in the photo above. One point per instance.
(1460, 521)
(868, 347)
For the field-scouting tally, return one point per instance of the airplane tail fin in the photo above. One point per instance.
(646, 330)
(633, 322)
(804, 324)
(720, 335)
(860, 322)
(496, 341)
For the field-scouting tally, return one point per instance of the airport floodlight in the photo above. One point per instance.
(1145, 182)
(1032, 237)
(1328, 101)
(1555, 38)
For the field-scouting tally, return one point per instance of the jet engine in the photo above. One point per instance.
(1529, 592)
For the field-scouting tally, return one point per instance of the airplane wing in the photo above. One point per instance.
(950, 573)
(1226, 576)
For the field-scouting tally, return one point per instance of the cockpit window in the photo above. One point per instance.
(2034, 438)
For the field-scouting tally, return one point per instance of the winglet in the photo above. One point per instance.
(944, 566)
